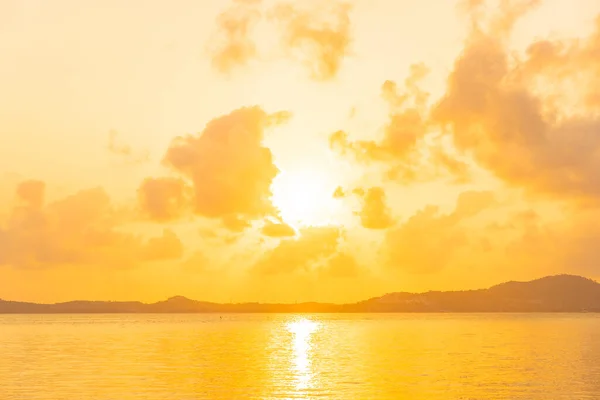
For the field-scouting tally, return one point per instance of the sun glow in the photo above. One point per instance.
(304, 197)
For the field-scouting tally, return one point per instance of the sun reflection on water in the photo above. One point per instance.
(302, 330)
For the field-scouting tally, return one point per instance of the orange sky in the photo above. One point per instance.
(295, 151)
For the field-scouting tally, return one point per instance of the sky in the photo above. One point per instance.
(278, 151)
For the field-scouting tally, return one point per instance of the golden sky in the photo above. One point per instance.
(295, 151)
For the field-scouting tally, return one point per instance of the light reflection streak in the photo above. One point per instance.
(302, 330)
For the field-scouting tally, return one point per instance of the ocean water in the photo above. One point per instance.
(379, 356)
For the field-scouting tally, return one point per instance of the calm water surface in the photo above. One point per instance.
(389, 356)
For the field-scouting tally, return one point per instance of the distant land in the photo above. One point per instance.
(559, 293)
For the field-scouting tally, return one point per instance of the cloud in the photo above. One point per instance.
(163, 199)
(300, 253)
(341, 265)
(234, 223)
(472, 202)
(165, 247)
(428, 240)
(277, 230)
(80, 229)
(197, 263)
(125, 151)
(375, 213)
(230, 168)
(534, 245)
(339, 193)
(527, 133)
(31, 193)
(232, 45)
(407, 136)
(320, 36)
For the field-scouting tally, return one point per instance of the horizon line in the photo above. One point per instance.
(298, 302)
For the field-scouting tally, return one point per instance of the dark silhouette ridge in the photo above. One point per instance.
(559, 293)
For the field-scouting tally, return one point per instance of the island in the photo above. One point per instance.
(559, 293)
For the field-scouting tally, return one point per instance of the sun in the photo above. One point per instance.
(304, 197)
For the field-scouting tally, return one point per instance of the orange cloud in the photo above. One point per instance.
(124, 150)
(338, 193)
(279, 229)
(230, 168)
(319, 37)
(197, 263)
(375, 213)
(232, 45)
(165, 247)
(341, 265)
(31, 193)
(428, 240)
(404, 137)
(301, 253)
(234, 223)
(81, 229)
(163, 199)
(495, 110)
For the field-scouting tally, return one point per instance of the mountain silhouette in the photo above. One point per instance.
(559, 293)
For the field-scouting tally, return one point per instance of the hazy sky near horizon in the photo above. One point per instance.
(291, 151)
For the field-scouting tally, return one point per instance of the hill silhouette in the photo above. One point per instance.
(559, 293)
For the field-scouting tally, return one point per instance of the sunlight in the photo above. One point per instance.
(302, 330)
(304, 197)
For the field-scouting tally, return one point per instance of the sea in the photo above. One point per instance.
(308, 356)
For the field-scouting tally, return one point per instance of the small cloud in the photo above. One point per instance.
(125, 151)
(234, 223)
(232, 45)
(319, 36)
(277, 230)
(375, 213)
(339, 193)
(31, 193)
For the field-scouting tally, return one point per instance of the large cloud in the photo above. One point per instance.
(494, 109)
(229, 166)
(81, 229)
